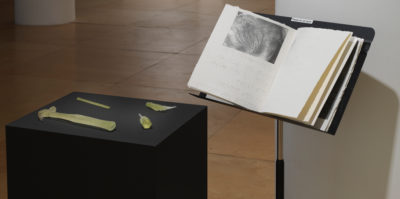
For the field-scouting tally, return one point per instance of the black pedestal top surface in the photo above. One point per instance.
(124, 111)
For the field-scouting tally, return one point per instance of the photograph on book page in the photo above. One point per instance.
(255, 36)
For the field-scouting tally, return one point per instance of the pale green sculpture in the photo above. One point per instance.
(76, 118)
(158, 107)
(93, 103)
(145, 121)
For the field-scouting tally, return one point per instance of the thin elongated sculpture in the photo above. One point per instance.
(93, 103)
(76, 118)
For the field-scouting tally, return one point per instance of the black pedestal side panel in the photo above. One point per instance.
(182, 162)
(45, 165)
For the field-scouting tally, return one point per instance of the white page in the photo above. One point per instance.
(237, 73)
(338, 65)
(327, 122)
(307, 60)
(208, 96)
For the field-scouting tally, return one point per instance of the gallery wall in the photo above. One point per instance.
(363, 159)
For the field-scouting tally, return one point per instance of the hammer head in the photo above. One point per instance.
(46, 112)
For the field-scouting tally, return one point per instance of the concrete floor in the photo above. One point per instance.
(144, 49)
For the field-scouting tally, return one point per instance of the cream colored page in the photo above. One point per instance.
(218, 99)
(326, 123)
(306, 61)
(329, 82)
(240, 61)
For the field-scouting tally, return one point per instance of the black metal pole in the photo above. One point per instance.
(279, 164)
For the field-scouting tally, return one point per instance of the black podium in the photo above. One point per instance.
(57, 159)
(365, 33)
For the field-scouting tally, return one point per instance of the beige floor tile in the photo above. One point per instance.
(87, 64)
(207, 7)
(173, 72)
(247, 135)
(214, 7)
(148, 5)
(17, 52)
(100, 15)
(83, 4)
(253, 5)
(270, 11)
(179, 19)
(196, 49)
(218, 116)
(6, 24)
(66, 35)
(150, 39)
(236, 178)
(7, 33)
(26, 93)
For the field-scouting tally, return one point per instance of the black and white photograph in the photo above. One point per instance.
(256, 37)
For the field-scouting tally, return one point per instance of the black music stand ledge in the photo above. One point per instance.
(367, 34)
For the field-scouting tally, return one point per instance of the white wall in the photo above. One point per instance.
(363, 159)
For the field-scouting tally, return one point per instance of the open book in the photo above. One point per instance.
(268, 67)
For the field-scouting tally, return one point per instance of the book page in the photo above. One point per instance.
(242, 57)
(208, 96)
(325, 124)
(329, 82)
(307, 60)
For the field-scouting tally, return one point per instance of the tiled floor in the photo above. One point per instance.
(137, 48)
